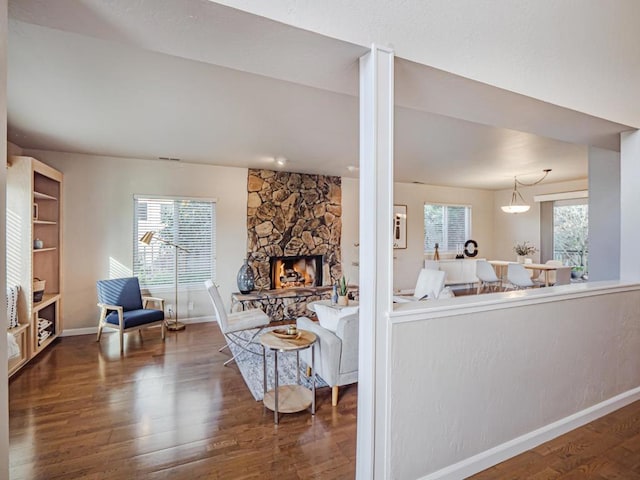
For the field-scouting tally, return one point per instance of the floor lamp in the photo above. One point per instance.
(146, 239)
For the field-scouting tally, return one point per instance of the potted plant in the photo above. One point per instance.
(524, 250)
(577, 272)
(343, 290)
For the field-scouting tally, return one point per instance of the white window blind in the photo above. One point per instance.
(185, 222)
(447, 225)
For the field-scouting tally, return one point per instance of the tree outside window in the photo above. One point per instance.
(571, 234)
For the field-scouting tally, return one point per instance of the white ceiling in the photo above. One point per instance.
(194, 80)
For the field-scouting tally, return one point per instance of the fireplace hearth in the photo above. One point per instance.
(296, 271)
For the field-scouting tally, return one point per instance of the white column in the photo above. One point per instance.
(4, 387)
(376, 258)
(604, 214)
(629, 206)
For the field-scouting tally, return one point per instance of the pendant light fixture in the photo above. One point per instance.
(517, 204)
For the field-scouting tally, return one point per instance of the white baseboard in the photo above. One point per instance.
(500, 453)
(71, 332)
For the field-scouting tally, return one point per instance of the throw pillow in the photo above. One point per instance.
(12, 305)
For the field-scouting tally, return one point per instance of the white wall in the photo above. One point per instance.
(350, 226)
(13, 149)
(4, 388)
(537, 51)
(604, 214)
(467, 380)
(510, 228)
(98, 224)
(408, 262)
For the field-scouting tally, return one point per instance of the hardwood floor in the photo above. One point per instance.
(167, 410)
(608, 448)
(172, 410)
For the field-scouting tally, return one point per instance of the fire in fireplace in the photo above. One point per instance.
(298, 271)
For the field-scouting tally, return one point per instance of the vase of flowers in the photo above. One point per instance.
(524, 250)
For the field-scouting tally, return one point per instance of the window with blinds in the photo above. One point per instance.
(190, 223)
(447, 225)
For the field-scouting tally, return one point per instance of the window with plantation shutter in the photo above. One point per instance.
(447, 225)
(190, 223)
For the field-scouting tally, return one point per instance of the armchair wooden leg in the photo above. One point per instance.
(334, 396)
(121, 341)
(99, 332)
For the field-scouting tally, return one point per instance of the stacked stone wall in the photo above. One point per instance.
(293, 214)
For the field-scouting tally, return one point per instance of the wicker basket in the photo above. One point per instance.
(38, 289)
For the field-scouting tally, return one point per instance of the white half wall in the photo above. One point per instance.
(98, 224)
(510, 228)
(604, 215)
(476, 384)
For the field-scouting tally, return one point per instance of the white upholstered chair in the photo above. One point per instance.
(231, 324)
(518, 276)
(336, 359)
(429, 285)
(486, 276)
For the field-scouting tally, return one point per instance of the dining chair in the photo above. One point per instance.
(233, 324)
(487, 276)
(518, 276)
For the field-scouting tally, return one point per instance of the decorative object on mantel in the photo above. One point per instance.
(246, 278)
(38, 244)
(343, 292)
(523, 250)
(471, 248)
(521, 206)
(146, 239)
(399, 226)
(436, 254)
(459, 252)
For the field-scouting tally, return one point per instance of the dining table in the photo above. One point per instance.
(501, 265)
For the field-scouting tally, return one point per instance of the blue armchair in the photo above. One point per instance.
(122, 307)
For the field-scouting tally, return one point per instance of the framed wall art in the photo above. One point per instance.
(399, 226)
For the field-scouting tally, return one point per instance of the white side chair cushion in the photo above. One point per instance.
(246, 320)
(329, 316)
(429, 284)
(446, 293)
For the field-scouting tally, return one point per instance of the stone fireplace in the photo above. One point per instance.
(296, 271)
(294, 227)
(294, 215)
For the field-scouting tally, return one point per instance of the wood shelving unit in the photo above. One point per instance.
(34, 212)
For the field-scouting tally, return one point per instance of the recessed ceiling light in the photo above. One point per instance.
(280, 161)
(352, 168)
